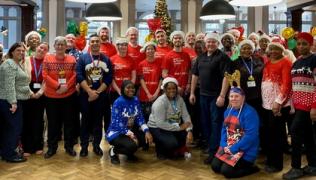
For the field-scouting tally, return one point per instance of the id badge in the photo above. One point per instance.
(251, 83)
(37, 86)
(62, 81)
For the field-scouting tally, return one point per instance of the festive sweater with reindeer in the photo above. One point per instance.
(125, 114)
(304, 83)
(95, 69)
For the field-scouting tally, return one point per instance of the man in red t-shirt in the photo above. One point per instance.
(177, 63)
(106, 46)
(133, 49)
(162, 46)
(189, 45)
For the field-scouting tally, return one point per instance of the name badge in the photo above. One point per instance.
(62, 81)
(37, 86)
(251, 83)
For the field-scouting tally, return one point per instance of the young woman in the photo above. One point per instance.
(14, 88)
(126, 115)
(170, 122)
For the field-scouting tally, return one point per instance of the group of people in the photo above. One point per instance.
(234, 95)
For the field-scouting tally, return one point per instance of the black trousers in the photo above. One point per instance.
(302, 133)
(33, 125)
(11, 128)
(124, 145)
(166, 142)
(242, 168)
(275, 131)
(194, 111)
(61, 112)
(91, 119)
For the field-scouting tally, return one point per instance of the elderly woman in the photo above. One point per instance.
(32, 40)
(276, 88)
(60, 77)
(14, 88)
(240, 138)
(170, 122)
(33, 109)
(127, 120)
(228, 42)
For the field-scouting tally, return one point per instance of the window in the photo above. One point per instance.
(306, 21)
(277, 18)
(10, 18)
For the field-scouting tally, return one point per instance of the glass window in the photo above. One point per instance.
(277, 18)
(1, 11)
(70, 13)
(12, 36)
(1, 36)
(306, 21)
(13, 11)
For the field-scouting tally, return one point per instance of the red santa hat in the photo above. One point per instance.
(306, 36)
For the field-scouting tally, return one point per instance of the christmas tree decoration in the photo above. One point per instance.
(161, 11)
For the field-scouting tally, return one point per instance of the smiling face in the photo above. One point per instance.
(94, 44)
(132, 36)
(150, 51)
(129, 90)
(246, 51)
(41, 51)
(177, 40)
(18, 53)
(104, 34)
(161, 38)
(171, 90)
(236, 100)
(303, 47)
(211, 44)
(275, 52)
(33, 41)
(227, 41)
(263, 43)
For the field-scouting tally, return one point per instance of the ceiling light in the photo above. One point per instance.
(103, 12)
(217, 9)
(92, 1)
(254, 2)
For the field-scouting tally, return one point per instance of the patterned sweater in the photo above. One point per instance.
(14, 82)
(303, 83)
(125, 112)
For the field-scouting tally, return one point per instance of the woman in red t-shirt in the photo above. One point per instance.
(149, 74)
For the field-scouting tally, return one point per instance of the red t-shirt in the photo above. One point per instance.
(191, 52)
(150, 72)
(108, 49)
(178, 65)
(135, 53)
(122, 68)
(162, 51)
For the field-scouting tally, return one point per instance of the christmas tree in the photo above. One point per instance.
(161, 11)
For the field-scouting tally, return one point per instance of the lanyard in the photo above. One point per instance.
(92, 60)
(37, 72)
(250, 70)
(174, 106)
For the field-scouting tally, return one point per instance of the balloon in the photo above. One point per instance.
(42, 31)
(80, 42)
(287, 33)
(83, 28)
(313, 31)
(291, 43)
(72, 28)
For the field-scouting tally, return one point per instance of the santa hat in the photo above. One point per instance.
(189, 33)
(249, 42)
(234, 31)
(180, 33)
(277, 44)
(159, 30)
(102, 27)
(129, 29)
(306, 36)
(230, 35)
(212, 35)
(265, 36)
(168, 80)
(32, 33)
(253, 34)
(279, 40)
(150, 43)
(121, 40)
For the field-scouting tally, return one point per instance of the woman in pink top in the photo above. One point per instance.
(276, 88)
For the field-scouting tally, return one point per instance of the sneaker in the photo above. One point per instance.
(114, 158)
(293, 173)
(309, 170)
(271, 169)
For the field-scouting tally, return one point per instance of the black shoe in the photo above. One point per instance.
(16, 159)
(208, 160)
(114, 158)
(271, 169)
(293, 174)
(71, 152)
(49, 153)
(132, 158)
(84, 152)
(309, 170)
(98, 151)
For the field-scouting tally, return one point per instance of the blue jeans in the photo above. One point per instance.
(211, 122)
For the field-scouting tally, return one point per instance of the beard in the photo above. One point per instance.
(104, 38)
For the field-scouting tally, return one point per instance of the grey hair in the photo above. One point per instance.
(60, 39)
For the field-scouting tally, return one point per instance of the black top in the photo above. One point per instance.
(210, 70)
(251, 93)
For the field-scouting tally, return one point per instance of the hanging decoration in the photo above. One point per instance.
(313, 31)
(80, 32)
(4, 31)
(42, 31)
(287, 33)
(72, 28)
(153, 25)
(83, 28)
(161, 11)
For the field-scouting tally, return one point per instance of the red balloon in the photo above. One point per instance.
(80, 42)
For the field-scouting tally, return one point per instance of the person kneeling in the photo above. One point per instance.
(121, 133)
(170, 122)
(239, 139)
